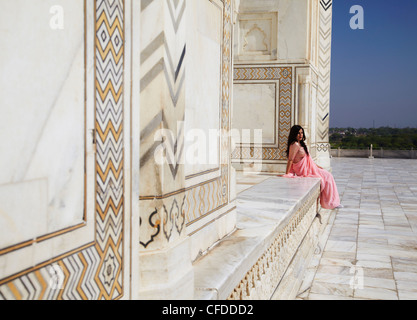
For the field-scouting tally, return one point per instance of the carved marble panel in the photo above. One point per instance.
(256, 108)
(257, 36)
(270, 74)
(89, 260)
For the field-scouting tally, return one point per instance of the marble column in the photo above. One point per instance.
(304, 102)
(323, 110)
(165, 262)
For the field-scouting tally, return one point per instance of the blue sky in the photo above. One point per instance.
(374, 70)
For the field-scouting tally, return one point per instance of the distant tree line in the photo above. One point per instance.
(385, 137)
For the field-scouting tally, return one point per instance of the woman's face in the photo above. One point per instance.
(300, 135)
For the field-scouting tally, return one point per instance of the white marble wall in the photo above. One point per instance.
(257, 36)
(279, 25)
(186, 89)
(165, 270)
(44, 118)
(203, 86)
(210, 178)
(63, 194)
(260, 100)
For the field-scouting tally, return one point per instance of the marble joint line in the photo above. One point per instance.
(94, 271)
(263, 278)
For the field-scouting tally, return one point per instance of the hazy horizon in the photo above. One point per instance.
(376, 127)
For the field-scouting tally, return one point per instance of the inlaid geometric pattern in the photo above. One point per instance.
(203, 199)
(109, 127)
(284, 75)
(95, 270)
(323, 98)
(227, 81)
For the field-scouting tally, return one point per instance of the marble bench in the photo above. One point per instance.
(273, 219)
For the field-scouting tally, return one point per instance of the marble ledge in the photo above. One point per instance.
(262, 212)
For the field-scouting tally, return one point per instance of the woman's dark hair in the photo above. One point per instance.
(293, 138)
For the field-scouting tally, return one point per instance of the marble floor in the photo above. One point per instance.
(369, 248)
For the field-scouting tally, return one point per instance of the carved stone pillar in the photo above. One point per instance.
(165, 262)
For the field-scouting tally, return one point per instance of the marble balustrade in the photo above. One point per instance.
(274, 217)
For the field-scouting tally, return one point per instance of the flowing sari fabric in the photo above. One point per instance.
(329, 196)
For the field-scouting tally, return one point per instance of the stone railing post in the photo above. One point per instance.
(371, 156)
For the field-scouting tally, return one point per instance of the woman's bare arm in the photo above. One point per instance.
(293, 151)
(289, 165)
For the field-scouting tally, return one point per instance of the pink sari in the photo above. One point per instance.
(329, 196)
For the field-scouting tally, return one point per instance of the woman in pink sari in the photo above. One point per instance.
(301, 164)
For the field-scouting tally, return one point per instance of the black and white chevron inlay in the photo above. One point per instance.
(323, 98)
(170, 48)
(326, 4)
